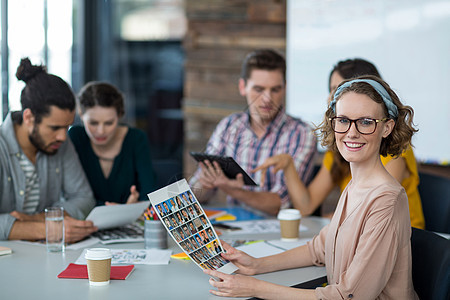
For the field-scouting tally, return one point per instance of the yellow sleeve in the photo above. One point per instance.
(410, 184)
(328, 160)
(328, 163)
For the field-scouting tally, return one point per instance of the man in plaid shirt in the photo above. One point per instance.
(250, 137)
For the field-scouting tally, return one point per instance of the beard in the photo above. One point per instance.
(37, 141)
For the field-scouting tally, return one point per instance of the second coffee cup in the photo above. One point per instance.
(289, 224)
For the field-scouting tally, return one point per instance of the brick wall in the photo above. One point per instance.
(220, 34)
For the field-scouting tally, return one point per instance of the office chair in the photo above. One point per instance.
(435, 195)
(430, 265)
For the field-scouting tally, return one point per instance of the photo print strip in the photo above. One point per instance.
(185, 220)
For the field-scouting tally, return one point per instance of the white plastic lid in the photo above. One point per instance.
(289, 214)
(98, 253)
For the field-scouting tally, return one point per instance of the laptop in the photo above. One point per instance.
(110, 216)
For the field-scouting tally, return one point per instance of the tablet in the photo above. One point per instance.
(110, 216)
(229, 166)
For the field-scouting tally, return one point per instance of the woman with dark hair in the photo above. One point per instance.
(335, 170)
(115, 157)
(366, 248)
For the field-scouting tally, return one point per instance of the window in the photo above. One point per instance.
(42, 31)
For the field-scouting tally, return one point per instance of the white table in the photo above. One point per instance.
(31, 273)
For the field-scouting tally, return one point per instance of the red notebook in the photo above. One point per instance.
(80, 271)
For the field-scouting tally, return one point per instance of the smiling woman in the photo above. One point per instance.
(371, 222)
(392, 109)
(351, 142)
(115, 157)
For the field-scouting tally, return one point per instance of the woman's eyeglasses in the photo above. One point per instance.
(363, 125)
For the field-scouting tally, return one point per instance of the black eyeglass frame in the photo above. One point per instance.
(356, 124)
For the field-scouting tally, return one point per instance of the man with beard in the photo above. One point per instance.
(39, 167)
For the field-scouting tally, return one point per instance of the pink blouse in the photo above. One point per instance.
(367, 250)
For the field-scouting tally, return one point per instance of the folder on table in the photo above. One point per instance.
(80, 271)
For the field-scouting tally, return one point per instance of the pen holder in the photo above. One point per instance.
(155, 235)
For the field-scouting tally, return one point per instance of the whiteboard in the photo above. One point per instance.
(408, 41)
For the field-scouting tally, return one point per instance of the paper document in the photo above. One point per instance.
(188, 225)
(111, 216)
(288, 245)
(260, 249)
(266, 248)
(258, 226)
(135, 257)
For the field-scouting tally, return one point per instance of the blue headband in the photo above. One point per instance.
(391, 107)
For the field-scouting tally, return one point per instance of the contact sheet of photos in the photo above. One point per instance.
(187, 223)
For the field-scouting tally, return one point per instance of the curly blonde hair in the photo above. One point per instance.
(400, 137)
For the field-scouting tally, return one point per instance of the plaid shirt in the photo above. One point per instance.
(234, 137)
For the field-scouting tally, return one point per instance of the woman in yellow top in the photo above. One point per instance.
(335, 170)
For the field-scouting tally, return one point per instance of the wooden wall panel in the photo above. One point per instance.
(220, 34)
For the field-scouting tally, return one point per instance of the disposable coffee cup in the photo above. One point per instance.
(289, 224)
(98, 265)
